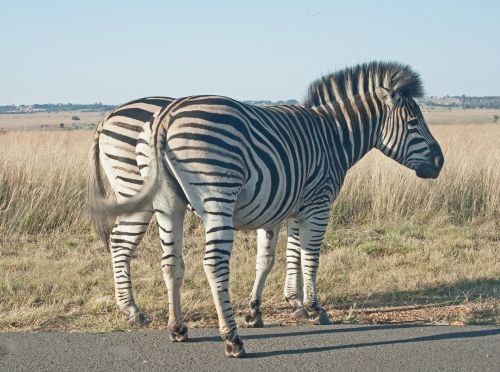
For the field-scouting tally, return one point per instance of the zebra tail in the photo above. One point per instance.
(102, 208)
(160, 162)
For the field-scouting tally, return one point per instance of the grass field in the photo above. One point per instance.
(49, 121)
(397, 249)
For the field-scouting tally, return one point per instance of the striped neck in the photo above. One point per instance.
(356, 124)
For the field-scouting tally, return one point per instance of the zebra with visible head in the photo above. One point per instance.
(121, 147)
(246, 167)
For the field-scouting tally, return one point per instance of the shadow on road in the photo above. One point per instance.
(334, 329)
(443, 336)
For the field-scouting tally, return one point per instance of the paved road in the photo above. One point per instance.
(337, 347)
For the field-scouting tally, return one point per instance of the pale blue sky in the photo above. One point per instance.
(114, 51)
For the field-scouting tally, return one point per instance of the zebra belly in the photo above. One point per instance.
(251, 207)
(262, 209)
(264, 221)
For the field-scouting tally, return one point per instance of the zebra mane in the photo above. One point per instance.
(362, 79)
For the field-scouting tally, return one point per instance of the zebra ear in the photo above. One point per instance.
(388, 96)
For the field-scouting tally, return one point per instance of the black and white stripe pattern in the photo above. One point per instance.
(121, 147)
(246, 167)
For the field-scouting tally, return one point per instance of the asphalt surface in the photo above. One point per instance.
(337, 347)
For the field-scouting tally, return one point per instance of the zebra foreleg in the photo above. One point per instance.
(170, 216)
(311, 237)
(266, 248)
(293, 281)
(219, 242)
(125, 237)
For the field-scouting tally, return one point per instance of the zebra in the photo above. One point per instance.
(121, 144)
(245, 167)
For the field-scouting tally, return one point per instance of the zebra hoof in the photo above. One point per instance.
(300, 314)
(320, 318)
(254, 319)
(179, 333)
(138, 319)
(234, 348)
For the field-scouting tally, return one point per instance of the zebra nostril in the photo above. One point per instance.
(438, 161)
(438, 155)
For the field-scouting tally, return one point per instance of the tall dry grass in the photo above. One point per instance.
(43, 182)
(43, 178)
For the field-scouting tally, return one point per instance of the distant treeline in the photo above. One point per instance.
(54, 107)
(466, 102)
(58, 107)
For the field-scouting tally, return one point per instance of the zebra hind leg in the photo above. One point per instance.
(266, 248)
(219, 242)
(124, 239)
(170, 217)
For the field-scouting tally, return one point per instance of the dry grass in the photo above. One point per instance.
(394, 241)
(49, 120)
(460, 116)
(421, 274)
(42, 182)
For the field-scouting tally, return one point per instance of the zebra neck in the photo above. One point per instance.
(355, 128)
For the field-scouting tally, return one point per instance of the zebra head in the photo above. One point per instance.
(405, 136)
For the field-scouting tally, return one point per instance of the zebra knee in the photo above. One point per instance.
(265, 263)
(172, 275)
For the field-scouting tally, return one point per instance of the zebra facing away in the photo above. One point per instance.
(121, 146)
(246, 167)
